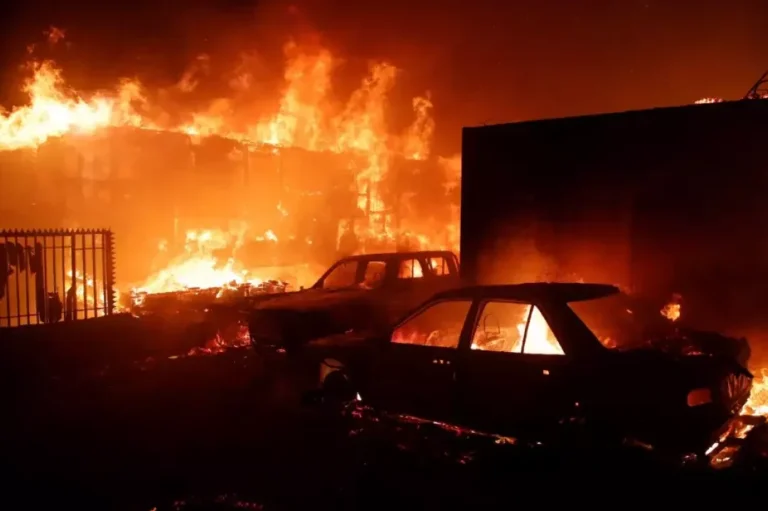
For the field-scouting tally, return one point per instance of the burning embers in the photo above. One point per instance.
(671, 311)
(757, 405)
(199, 266)
(207, 269)
(758, 399)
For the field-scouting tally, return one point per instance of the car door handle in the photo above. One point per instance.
(441, 361)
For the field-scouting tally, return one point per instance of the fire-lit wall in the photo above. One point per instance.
(664, 200)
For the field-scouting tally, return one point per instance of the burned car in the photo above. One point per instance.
(360, 292)
(528, 359)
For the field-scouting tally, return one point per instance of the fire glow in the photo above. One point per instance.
(307, 116)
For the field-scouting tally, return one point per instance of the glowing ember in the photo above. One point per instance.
(758, 399)
(704, 101)
(671, 311)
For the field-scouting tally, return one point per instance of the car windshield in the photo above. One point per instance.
(622, 321)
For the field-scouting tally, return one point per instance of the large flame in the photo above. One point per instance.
(198, 266)
(54, 111)
(308, 116)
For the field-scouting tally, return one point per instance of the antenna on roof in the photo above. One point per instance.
(760, 89)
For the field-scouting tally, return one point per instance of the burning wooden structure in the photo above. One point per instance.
(149, 185)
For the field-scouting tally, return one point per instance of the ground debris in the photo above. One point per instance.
(225, 501)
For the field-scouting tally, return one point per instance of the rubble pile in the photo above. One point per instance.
(142, 303)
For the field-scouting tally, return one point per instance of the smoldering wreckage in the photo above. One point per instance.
(421, 339)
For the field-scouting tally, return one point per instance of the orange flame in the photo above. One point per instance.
(53, 111)
(198, 267)
(758, 399)
(672, 310)
(306, 117)
(539, 338)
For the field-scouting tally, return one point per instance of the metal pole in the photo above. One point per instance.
(104, 270)
(7, 282)
(73, 276)
(85, 276)
(18, 293)
(110, 272)
(28, 266)
(93, 269)
(44, 269)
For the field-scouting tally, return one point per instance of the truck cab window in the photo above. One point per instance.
(343, 275)
(410, 269)
(439, 266)
(374, 274)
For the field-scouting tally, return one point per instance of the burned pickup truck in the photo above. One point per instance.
(359, 292)
(533, 360)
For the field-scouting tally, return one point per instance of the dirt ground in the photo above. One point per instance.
(203, 432)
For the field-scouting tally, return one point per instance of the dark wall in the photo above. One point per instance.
(664, 200)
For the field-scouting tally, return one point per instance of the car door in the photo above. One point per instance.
(414, 373)
(406, 288)
(513, 370)
(442, 271)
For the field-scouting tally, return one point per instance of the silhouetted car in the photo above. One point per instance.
(364, 291)
(525, 359)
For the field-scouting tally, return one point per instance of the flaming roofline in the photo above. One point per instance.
(263, 147)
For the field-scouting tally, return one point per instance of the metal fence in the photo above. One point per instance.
(47, 276)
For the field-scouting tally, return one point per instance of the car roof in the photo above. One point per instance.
(532, 292)
(400, 255)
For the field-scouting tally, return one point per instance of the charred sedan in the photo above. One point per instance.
(359, 292)
(522, 360)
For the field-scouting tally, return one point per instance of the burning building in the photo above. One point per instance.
(223, 193)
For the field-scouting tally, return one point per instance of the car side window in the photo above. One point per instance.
(438, 325)
(510, 327)
(343, 275)
(410, 269)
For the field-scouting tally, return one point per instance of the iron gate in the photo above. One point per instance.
(48, 276)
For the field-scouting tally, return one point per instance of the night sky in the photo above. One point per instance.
(484, 61)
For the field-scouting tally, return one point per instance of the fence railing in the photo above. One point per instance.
(47, 276)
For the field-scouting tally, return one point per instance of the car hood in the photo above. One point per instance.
(689, 344)
(689, 361)
(683, 364)
(313, 299)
